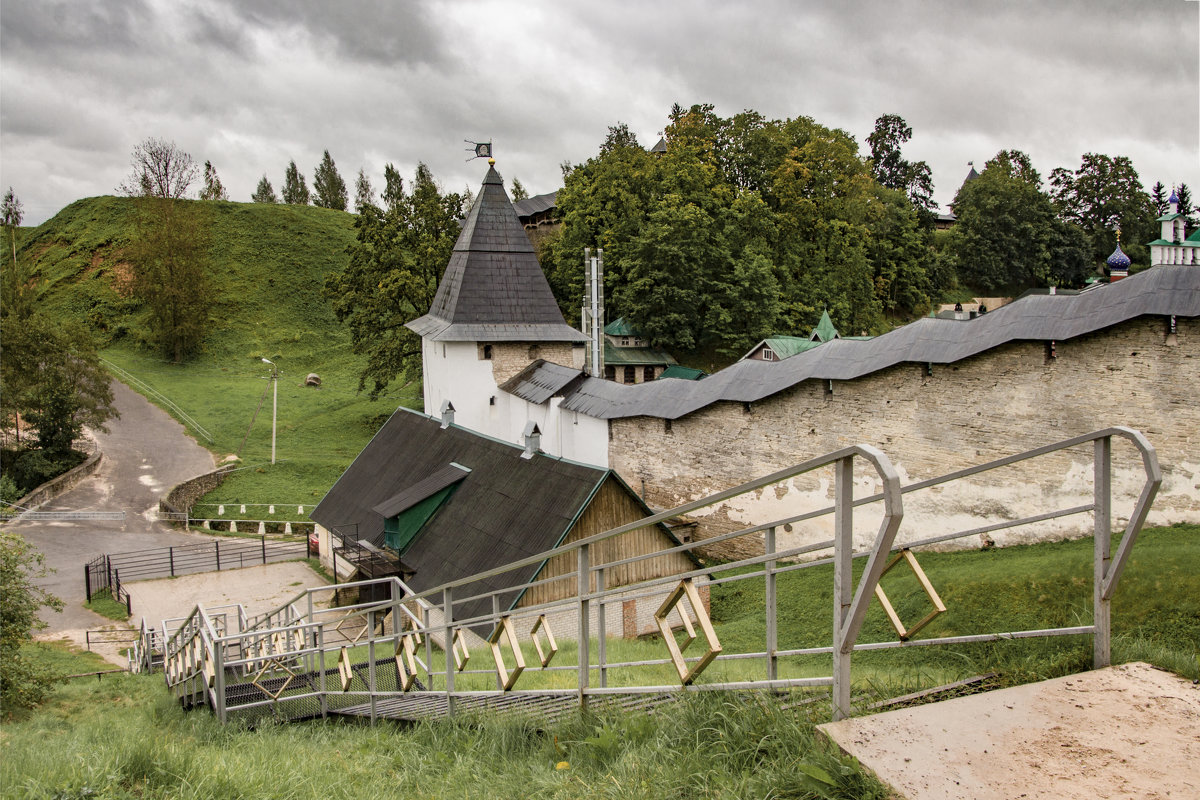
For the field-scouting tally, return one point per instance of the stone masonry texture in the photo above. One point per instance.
(933, 420)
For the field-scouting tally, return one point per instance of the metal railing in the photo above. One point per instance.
(99, 575)
(307, 660)
(140, 385)
(211, 556)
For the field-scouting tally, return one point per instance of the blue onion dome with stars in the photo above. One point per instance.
(1118, 259)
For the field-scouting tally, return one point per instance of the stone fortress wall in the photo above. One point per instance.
(931, 421)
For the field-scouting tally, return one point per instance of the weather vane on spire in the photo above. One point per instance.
(481, 149)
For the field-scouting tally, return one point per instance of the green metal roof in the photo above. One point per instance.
(619, 327)
(1169, 217)
(635, 356)
(684, 373)
(825, 331)
(787, 346)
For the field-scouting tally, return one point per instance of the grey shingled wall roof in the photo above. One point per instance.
(507, 508)
(493, 288)
(1162, 290)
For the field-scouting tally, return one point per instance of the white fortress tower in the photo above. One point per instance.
(494, 316)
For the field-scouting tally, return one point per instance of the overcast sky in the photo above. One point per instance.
(251, 84)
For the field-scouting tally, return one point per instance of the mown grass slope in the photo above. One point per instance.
(268, 266)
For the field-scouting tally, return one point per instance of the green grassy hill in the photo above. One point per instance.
(269, 263)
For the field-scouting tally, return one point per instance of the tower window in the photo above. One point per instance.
(485, 352)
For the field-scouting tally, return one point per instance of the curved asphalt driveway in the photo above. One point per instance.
(146, 452)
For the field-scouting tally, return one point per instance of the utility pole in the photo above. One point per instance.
(274, 403)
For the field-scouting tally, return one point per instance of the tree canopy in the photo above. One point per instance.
(364, 194)
(213, 189)
(295, 191)
(329, 190)
(745, 227)
(395, 264)
(1102, 197)
(265, 193)
(23, 682)
(160, 169)
(892, 170)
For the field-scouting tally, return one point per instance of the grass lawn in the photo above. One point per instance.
(123, 737)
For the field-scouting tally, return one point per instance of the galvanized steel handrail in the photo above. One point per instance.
(431, 612)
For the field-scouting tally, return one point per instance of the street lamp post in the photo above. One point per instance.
(274, 402)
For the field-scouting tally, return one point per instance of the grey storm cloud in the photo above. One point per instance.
(252, 84)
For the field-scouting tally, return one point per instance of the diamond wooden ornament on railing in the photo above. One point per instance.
(547, 655)
(344, 668)
(406, 662)
(458, 646)
(505, 628)
(938, 607)
(687, 588)
(268, 666)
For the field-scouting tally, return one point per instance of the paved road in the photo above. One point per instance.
(145, 453)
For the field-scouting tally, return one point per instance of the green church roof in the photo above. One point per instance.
(824, 331)
(684, 373)
(788, 346)
(619, 327)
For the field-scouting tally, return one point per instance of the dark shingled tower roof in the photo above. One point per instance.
(493, 289)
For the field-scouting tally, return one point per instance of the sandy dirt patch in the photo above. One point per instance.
(258, 589)
(1130, 731)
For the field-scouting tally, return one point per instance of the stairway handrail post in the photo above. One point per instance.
(843, 581)
(1101, 552)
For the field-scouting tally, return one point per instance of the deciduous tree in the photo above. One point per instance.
(517, 191)
(396, 262)
(295, 191)
(23, 683)
(892, 170)
(364, 194)
(265, 193)
(1102, 197)
(52, 376)
(169, 256)
(160, 169)
(213, 190)
(393, 187)
(1002, 239)
(169, 247)
(329, 189)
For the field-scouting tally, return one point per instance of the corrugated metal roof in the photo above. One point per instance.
(493, 288)
(542, 380)
(535, 205)
(1162, 290)
(685, 373)
(635, 356)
